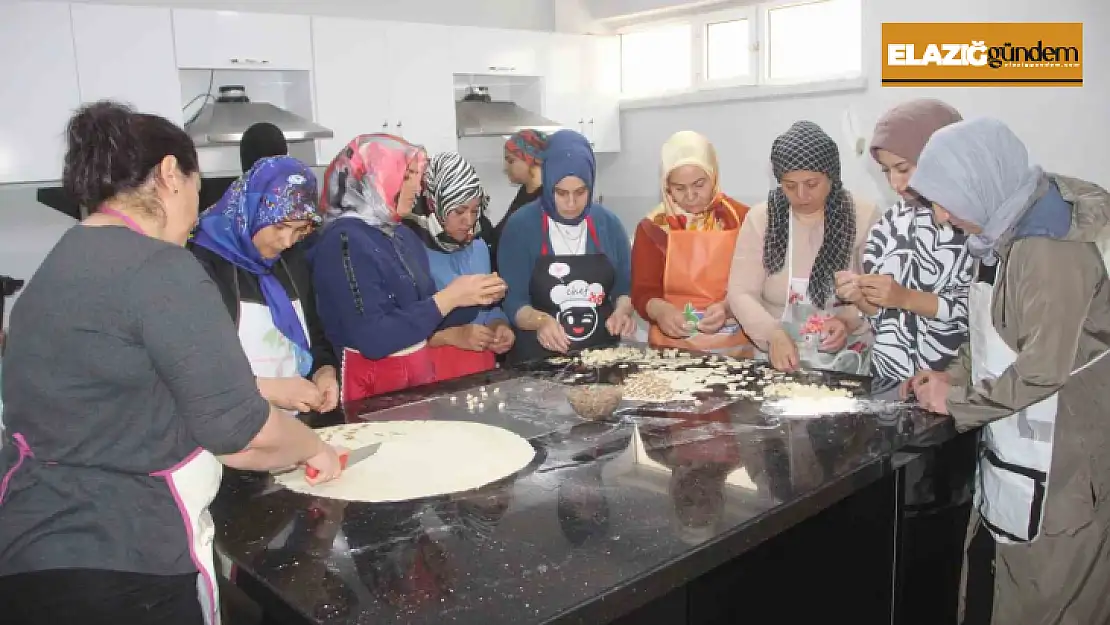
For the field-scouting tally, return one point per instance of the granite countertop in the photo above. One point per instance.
(608, 516)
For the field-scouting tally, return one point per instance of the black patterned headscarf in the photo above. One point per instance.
(805, 147)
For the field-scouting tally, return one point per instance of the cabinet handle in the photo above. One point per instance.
(249, 62)
(494, 68)
(399, 126)
(385, 125)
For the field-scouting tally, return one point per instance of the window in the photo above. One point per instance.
(728, 50)
(814, 41)
(656, 60)
(777, 42)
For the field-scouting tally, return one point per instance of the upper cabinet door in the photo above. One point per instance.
(603, 91)
(422, 94)
(496, 51)
(38, 93)
(564, 80)
(353, 81)
(125, 53)
(234, 40)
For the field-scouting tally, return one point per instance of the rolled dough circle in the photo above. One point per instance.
(418, 459)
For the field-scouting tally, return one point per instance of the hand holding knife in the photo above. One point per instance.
(347, 458)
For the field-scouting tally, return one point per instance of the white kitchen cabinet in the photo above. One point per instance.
(39, 91)
(125, 53)
(422, 93)
(352, 90)
(404, 90)
(564, 80)
(582, 87)
(602, 123)
(233, 40)
(495, 51)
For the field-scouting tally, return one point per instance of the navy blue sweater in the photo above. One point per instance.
(393, 308)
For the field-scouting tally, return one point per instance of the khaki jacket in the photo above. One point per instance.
(1051, 305)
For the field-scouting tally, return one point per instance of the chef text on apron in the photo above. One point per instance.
(574, 290)
(802, 320)
(695, 275)
(1015, 456)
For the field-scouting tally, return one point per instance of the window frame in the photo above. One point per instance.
(765, 9)
(758, 78)
(652, 25)
(701, 24)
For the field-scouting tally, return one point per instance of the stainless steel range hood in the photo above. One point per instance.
(224, 121)
(478, 115)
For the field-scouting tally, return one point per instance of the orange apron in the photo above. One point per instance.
(696, 274)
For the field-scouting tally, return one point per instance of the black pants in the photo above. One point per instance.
(94, 597)
(980, 579)
(933, 551)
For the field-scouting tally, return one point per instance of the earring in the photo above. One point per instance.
(175, 190)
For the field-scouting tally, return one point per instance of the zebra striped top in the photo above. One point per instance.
(906, 243)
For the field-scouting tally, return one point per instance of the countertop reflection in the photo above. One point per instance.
(606, 512)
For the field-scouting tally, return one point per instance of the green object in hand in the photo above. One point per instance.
(692, 318)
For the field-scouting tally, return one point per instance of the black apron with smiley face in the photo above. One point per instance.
(575, 290)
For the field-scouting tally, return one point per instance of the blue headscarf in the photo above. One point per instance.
(568, 154)
(275, 190)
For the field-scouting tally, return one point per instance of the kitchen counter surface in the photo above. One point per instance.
(609, 516)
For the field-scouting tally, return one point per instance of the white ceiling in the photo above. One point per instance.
(605, 9)
(523, 14)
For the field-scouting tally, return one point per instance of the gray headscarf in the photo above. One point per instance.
(979, 171)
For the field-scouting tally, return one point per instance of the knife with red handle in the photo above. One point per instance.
(347, 458)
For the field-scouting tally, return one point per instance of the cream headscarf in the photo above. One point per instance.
(688, 148)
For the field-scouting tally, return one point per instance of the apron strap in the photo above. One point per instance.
(546, 249)
(593, 234)
(24, 453)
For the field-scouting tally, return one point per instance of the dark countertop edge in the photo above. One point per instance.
(612, 603)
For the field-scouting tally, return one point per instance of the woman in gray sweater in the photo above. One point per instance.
(125, 393)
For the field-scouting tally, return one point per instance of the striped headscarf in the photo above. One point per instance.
(528, 146)
(364, 180)
(449, 183)
(806, 147)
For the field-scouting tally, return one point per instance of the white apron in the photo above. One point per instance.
(194, 483)
(1015, 457)
(802, 320)
(270, 353)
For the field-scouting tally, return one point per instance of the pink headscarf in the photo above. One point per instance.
(364, 180)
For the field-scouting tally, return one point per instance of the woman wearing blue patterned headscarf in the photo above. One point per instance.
(247, 243)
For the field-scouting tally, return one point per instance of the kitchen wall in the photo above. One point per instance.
(522, 14)
(27, 232)
(28, 229)
(1067, 129)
